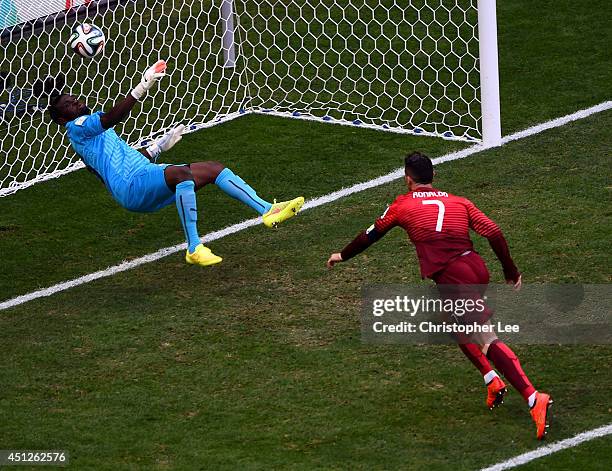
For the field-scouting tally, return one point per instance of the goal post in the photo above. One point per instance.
(424, 67)
(489, 73)
(227, 23)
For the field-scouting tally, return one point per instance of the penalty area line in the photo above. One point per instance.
(552, 448)
(310, 204)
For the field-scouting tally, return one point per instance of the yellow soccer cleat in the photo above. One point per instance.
(202, 256)
(282, 211)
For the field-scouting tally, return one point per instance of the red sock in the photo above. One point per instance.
(474, 354)
(507, 363)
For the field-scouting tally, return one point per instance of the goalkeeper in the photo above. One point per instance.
(138, 183)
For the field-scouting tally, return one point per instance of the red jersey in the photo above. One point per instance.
(438, 225)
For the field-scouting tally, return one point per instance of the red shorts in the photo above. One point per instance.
(469, 269)
(469, 278)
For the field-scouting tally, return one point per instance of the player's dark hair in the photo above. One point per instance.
(52, 109)
(419, 167)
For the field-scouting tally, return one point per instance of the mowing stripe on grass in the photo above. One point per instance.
(552, 448)
(336, 195)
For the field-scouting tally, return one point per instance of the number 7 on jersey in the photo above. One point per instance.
(441, 209)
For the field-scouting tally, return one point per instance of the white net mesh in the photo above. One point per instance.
(388, 64)
(409, 66)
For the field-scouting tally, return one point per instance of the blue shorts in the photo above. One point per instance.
(148, 190)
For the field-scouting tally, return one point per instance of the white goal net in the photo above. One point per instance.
(395, 65)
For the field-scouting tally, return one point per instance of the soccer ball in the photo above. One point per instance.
(87, 40)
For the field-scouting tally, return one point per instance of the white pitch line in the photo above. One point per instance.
(321, 200)
(552, 448)
(389, 177)
(555, 123)
(124, 266)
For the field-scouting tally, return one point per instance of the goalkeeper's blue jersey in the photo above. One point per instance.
(104, 152)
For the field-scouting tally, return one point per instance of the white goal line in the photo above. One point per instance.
(552, 448)
(389, 177)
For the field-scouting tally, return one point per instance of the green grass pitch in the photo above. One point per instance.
(257, 363)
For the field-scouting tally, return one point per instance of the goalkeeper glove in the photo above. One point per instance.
(151, 75)
(166, 142)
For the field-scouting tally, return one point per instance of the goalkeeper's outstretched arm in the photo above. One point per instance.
(164, 143)
(122, 109)
(118, 112)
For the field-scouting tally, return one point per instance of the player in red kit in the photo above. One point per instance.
(438, 225)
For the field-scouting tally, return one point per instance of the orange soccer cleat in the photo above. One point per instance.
(496, 392)
(539, 413)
